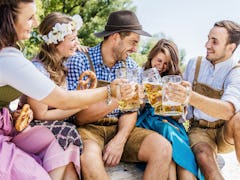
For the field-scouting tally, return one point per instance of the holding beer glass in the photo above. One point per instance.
(133, 77)
(153, 88)
(171, 108)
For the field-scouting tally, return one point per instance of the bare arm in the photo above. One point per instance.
(41, 111)
(95, 112)
(213, 107)
(63, 99)
(113, 150)
(126, 123)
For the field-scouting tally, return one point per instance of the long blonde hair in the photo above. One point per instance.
(48, 54)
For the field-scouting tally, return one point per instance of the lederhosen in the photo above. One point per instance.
(206, 91)
(210, 92)
(202, 130)
(106, 128)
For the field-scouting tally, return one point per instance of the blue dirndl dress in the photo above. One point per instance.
(175, 133)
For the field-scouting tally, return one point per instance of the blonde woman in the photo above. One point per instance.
(59, 34)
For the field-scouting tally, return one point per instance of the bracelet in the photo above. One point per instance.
(109, 95)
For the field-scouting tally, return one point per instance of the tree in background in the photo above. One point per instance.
(94, 14)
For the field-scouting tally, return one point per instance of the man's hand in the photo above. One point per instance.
(121, 89)
(112, 153)
(179, 92)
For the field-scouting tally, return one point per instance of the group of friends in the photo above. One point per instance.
(71, 127)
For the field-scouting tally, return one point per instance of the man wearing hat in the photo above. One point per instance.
(108, 134)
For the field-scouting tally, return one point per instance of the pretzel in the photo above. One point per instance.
(90, 82)
(22, 120)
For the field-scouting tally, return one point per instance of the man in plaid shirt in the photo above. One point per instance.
(106, 141)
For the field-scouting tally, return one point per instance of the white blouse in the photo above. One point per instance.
(21, 74)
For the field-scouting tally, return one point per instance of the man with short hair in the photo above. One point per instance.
(214, 99)
(114, 136)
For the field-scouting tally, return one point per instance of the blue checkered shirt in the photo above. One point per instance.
(79, 63)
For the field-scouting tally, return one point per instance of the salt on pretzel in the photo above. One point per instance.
(22, 120)
(90, 82)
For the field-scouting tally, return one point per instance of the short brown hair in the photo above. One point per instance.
(233, 30)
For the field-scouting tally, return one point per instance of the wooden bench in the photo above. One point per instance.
(129, 171)
(125, 171)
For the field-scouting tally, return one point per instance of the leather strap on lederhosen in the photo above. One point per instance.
(100, 83)
(209, 92)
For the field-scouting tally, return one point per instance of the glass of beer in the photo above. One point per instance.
(153, 88)
(171, 108)
(133, 77)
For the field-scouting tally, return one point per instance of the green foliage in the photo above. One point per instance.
(93, 12)
(31, 46)
(139, 58)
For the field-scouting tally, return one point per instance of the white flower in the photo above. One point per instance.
(59, 31)
(78, 20)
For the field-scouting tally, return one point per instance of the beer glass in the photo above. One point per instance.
(153, 88)
(171, 108)
(133, 77)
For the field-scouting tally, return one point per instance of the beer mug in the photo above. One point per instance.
(153, 88)
(171, 108)
(133, 77)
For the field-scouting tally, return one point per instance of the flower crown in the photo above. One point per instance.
(59, 31)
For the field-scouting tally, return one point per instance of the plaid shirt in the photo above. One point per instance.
(79, 63)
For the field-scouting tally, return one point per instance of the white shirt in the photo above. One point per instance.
(21, 74)
(215, 76)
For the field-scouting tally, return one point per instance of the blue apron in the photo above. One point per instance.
(175, 133)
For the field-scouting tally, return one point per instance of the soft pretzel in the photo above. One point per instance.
(90, 82)
(22, 120)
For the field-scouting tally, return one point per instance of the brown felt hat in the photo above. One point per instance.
(119, 21)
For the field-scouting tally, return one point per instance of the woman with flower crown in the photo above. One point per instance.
(59, 34)
(33, 153)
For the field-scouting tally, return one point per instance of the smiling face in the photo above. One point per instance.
(164, 57)
(124, 46)
(161, 61)
(218, 48)
(68, 46)
(26, 20)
